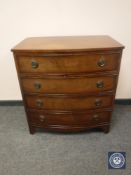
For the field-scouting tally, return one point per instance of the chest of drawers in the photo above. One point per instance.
(68, 84)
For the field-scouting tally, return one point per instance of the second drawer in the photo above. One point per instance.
(69, 84)
(68, 103)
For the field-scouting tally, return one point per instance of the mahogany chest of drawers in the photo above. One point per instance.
(68, 84)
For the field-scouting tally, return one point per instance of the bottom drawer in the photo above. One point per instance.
(41, 119)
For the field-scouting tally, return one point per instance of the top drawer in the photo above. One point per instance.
(69, 63)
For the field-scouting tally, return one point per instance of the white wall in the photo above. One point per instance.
(26, 18)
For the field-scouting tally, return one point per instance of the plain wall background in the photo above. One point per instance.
(27, 18)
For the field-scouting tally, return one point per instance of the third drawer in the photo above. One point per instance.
(68, 103)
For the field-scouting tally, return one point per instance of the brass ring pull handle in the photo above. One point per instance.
(95, 117)
(42, 118)
(37, 86)
(101, 62)
(39, 103)
(100, 84)
(98, 102)
(34, 64)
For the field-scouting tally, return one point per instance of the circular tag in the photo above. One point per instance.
(117, 160)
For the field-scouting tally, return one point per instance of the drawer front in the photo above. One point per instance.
(69, 85)
(70, 103)
(40, 119)
(70, 63)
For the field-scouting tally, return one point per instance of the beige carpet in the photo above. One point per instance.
(61, 154)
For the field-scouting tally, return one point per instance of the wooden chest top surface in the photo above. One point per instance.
(67, 43)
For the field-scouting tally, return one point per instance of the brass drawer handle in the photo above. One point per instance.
(34, 64)
(101, 62)
(39, 103)
(98, 102)
(37, 86)
(42, 118)
(100, 84)
(95, 117)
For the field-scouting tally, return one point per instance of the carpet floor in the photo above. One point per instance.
(61, 154)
